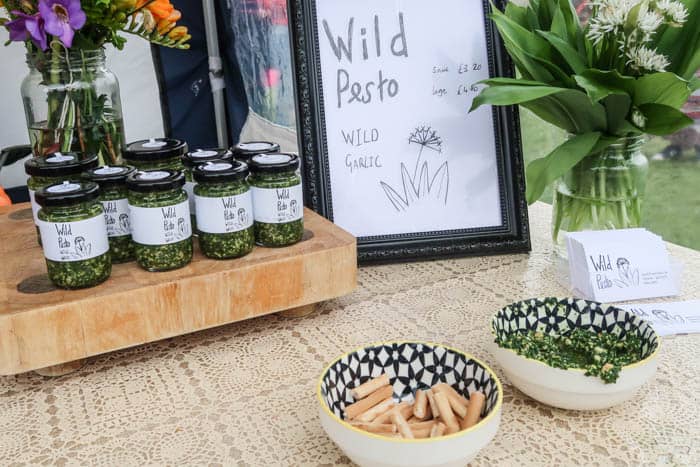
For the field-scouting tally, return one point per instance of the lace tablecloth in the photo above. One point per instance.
(244, 393)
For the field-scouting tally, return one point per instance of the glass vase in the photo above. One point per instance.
(603, 191)
(71, 102)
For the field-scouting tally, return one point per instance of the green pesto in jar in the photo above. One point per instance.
(155, 154)
(51, 169)
(113, 196)
(74, 237)
(278, 203)
(224, 209)
(160, 219)
(193, 159)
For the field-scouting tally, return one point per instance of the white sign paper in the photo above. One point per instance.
(398, 80)
(669, 318)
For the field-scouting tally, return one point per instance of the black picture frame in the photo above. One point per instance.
(512, 237)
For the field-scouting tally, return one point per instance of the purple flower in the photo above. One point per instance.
(26, 26)
(62, 18)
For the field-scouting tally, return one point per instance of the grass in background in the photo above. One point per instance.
(672, 202)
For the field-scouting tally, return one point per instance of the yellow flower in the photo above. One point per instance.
(168, 23)
(178, 32)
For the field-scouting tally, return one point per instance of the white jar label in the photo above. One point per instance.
(161, 226)
(74, 241)
(278, 205)
(117, 217)
(189, 189)
(35, 207)
(224, 215)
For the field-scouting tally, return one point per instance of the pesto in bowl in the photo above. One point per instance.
(224, 210)
(74, 235)
(160, 219)
(278, 202)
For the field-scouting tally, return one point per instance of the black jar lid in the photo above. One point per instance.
(149, 181)
(247, 149)
(220, 172)
(274, 163)
(66, 193)
(59, 164)
(155, 149)
(200, 156)
(109, 174)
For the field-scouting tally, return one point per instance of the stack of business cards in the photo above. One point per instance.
(618, 265)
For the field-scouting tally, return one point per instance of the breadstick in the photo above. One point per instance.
(413, 420)
(446, 414)
(421, 404)
(353, 410)
(404, 408)
(421, 425)
(368, 387)
(375, 427)
(431, 400)
(419, 433)
(437, 430)
(401, 425)
(476, 405)
(453, 392)
(370, 414)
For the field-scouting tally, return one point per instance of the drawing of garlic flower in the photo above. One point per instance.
(420, 185)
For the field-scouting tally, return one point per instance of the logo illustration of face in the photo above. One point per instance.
(242, 216)
(81, 248)
(181, 226)
(294, 207)
(124, 222)
(623, 265)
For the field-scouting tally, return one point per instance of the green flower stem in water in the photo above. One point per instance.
(603, 191)
(231, 244)
(82, 273)
(601, 355)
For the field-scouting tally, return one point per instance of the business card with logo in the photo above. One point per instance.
(618, 265)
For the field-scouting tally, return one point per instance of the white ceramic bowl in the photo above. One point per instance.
(411, 366)
(572, 389)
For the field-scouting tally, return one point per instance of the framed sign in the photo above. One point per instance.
(391, 153)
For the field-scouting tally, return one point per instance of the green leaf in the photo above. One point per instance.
(567, 52)
(514, 81)
(617, 107)
(559, 27)
(599, 84)
(542, 172)
(510, 94)
(694, 84)
(570, 110)
(663, 120)
(661, 88)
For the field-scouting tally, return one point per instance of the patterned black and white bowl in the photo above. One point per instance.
(410, 366)
(572, 389)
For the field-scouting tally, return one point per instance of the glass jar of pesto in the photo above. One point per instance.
(278, 202)
(245, 151)
(160, 219)
(51, 169)
(224, 209)
(155, 153)
(193, 159)
(73, 234)
(113, 196)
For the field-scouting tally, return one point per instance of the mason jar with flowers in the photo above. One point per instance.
(71, 99)
(623, 74)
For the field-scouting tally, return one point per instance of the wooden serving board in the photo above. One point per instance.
(41, 325)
